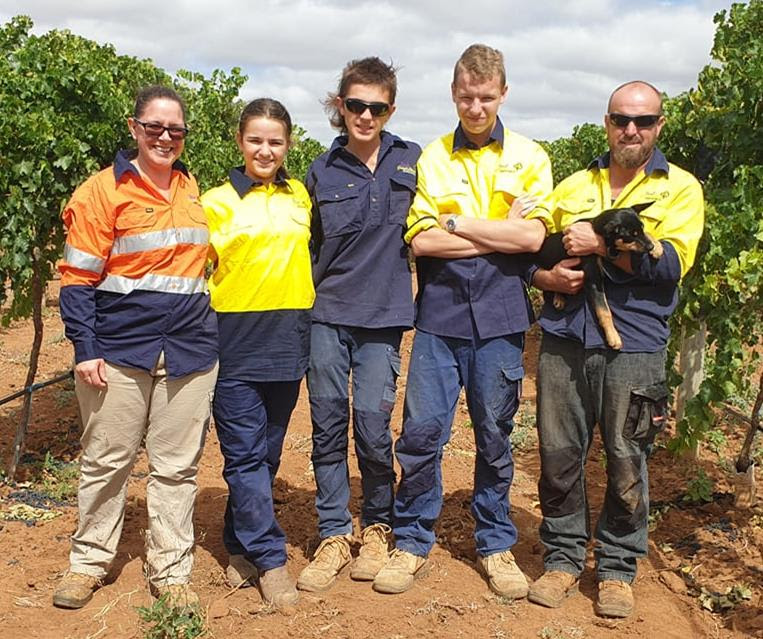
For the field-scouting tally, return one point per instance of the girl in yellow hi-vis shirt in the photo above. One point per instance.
(262, 290)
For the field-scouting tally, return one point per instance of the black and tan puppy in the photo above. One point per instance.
(622, 230)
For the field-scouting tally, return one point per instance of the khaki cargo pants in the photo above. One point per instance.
(174, 415)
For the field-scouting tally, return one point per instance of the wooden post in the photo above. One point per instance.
(34, 356)
(691, 365)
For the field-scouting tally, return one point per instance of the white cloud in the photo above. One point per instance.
(563, 58)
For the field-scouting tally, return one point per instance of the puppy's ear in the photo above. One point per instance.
(640, 207)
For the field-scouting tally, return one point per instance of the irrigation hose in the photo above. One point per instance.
(35, 387)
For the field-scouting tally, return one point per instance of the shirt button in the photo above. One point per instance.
(373, 199)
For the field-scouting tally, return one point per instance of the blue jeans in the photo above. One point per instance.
(491, 372)
(372, 356)
(625, 394)
(251, 420)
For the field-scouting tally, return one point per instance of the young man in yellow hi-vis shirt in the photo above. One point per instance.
(472, 312)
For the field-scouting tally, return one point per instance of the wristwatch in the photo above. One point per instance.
(450, 224)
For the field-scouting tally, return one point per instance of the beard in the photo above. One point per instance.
(632, 157)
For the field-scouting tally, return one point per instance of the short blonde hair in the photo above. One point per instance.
(482, 63)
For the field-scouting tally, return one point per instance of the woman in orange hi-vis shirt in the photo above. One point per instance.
(135, 306)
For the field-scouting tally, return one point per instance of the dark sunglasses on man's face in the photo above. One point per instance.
(157, 130)
(641, 121)
(377, 109)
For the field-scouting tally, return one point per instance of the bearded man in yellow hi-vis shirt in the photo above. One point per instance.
(581, 381)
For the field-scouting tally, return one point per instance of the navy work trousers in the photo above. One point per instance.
(251, 420)
(372, 357)
(491, 372)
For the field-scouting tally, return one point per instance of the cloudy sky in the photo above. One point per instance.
(563, 56)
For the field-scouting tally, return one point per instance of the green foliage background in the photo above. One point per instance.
(64, 101)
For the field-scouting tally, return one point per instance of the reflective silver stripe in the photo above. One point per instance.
(159, 239)
(85, 261)
(152, 282)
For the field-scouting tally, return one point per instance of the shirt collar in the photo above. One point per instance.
(123, 164)
(242, 183)
(657, 162)
(338, 146)
(460, 141)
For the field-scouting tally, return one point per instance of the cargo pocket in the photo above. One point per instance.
(647, 412)
(389, 393)
(507, 402)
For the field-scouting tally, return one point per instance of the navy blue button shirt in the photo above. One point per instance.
(360, 263)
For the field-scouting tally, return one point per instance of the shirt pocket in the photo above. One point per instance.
(652, 218)
(135, 218)
(402, 190)
(454, 201)
(339, 209)
(574, 210)
(299, 213)
(506, 188)
(196, 213)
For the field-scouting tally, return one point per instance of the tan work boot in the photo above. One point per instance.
(240, 573)
(177, 595)
(400, 571)
(615, 599)
(75, 590)
(277, 587)
(328, 561)
(503, 575)
(374, 552)
(552, 588)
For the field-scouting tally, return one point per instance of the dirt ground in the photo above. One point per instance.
(697, 552)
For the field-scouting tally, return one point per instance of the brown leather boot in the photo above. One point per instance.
(278, 588)
(615, 599)
(75, 590)
(552, 588)
(374, 552)
(329, 560)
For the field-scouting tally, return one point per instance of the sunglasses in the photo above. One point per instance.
(641, 121)
(358, 107)
(157, 130)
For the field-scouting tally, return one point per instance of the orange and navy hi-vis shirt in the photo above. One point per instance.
(132, 276)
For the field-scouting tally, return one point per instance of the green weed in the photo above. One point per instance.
(524, 436)
(58, 479)
(164, 621)
(715, 440)
(656, 513)
(699, 489)
(722, 602)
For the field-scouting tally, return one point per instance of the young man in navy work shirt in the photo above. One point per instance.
(472, 311)
(361, 190)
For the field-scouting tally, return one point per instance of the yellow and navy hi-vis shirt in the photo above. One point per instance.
(132, 274)
(643, 302)
(261, 285)
(486, 292)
